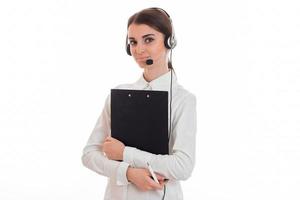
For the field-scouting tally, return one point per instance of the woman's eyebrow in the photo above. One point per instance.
(144, 36)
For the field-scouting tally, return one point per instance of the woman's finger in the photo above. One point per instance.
(159, 177)
(155, 185)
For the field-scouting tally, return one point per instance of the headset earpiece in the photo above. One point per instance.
(127, 46)
(170, 42)
(128, 49)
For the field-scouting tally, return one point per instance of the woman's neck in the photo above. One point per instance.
(153, 73)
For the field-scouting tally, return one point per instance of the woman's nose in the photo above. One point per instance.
(140, 49)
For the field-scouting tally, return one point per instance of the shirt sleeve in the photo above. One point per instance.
(93, 157)
(179, 164)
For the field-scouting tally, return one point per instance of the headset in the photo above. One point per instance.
(170, 41)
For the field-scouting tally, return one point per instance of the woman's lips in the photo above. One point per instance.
(142, 59)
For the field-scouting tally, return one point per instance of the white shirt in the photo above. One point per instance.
(176, 166)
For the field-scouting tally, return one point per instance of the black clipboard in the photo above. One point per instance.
(139, 118)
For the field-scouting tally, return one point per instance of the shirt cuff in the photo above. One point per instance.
(128, 155)
(121, 174)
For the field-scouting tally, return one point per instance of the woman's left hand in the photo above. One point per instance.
(113, 148)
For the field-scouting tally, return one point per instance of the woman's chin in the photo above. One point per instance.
(141, 64)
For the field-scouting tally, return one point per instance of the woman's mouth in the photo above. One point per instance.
(142, 59)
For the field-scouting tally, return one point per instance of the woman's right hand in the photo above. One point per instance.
(142, 179)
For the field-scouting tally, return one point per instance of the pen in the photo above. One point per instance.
(152, 173)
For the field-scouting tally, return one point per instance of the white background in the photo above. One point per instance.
(59, 60)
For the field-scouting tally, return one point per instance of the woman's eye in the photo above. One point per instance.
(148, 40)
(132, 43)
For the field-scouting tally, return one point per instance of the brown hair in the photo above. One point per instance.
(155, 18)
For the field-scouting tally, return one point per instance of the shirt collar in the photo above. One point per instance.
(160, 83)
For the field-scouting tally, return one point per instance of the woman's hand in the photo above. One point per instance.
(142, 179)
(113, 148)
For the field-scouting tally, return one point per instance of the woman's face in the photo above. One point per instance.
(145, 42)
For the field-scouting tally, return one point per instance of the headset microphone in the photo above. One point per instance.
(149, 61)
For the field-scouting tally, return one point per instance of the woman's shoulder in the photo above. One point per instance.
(183, 93)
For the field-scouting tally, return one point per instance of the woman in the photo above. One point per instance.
(150, 39)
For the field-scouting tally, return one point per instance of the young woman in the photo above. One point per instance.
(150, 40)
